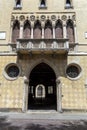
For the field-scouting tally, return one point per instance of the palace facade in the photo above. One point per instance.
(43, 55)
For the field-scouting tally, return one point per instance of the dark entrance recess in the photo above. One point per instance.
(42, 88)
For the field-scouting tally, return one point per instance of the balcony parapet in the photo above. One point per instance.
(39, 45)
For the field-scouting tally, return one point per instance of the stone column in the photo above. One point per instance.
(75, 33)
(53, 32)
(42, 32)
(32, 31)
(43, 26)
(10, 37)
(21, 30)
(59, 95)
(64, 31)
(25, 94)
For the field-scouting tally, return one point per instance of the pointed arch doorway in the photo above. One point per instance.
(42, 88)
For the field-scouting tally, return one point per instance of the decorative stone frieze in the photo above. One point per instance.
(53, 17)
(32, 17)
(64, 17)
(22, 18)
(43, 17)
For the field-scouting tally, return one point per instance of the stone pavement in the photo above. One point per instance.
(43, 121)
(45, 115)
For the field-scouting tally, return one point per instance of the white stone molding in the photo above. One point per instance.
(64, 30)
(25, 95)
(42, 45)
(75, 33)
(55, 45)
(43, 91)
(32, 30)
(21, 30)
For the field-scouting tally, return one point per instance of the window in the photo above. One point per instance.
(40, 91)
(59, 29)
(73, 71)
(17, 3)
(48, 33)
(37, 30)
(50, 89)
(15, 31)
(27, 30)
(11, 71)
(70, 31)
(42, 4)
(68, 4)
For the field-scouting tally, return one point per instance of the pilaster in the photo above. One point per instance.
(25, 94)
(59, 95)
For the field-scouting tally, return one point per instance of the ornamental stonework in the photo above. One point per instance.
(53, 17)
(43, 17)
(64, 17)
(22, 18)
(12, 18)
(32, 17)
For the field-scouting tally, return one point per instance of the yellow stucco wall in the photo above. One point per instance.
(11, 92)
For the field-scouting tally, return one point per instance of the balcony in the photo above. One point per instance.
(37, 46)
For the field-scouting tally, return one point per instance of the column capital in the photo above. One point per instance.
(74, 25)
(53, 25)
(32, 25)
(64, 25)
(43, 25)
(26, 81)
(58, 80)
(21, 24)
(12, 23)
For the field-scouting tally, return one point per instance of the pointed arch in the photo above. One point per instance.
(59, 29)
(39, 61)
(70, 31)
(27, 30)
(39, 68)
(37, 30)
(48, 34)
(15, 31)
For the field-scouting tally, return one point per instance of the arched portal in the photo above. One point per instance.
(42, 88)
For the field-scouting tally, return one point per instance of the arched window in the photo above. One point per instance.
(70, 31)
(42, 3)
(37, 30)
(68, 4)
(27, 30)
(15, 31)
(40, 91)
(58, 30)
(48, 34)
(18, 3)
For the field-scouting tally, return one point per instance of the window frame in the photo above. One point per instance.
(5, 71)
(79, 69)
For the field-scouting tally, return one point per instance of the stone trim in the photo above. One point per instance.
(59, 95)
(5, 73)
(25, 94)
